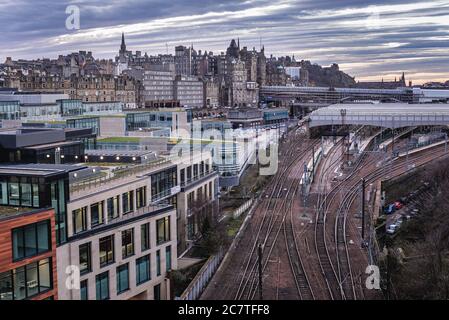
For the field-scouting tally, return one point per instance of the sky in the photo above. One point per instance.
(370, 40)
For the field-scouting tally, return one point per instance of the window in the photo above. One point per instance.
(85, 258)
(162, 183)
(123, 278)
(145, 236)
(127, 243)
(27, 281)
(189, 173)
(79, 220)
(102, 286)
(168, 258)
(6, 288)
(31, 240)
(158, 262)
(113, 207)
(106, 250)
(128, 202)
(195, 171)
(141, 197)
(210, 190)
(157, 292)
(84, 290)
(183, 176)
(143, 272)
(96, 213)
(163, 230)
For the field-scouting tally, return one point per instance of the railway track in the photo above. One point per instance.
(276, 219)
(338, 274)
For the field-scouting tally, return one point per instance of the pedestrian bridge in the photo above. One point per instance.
(387, 115)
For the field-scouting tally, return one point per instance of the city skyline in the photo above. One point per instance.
(368, 39)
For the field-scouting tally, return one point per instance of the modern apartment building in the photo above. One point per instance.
(198, 197)
(32, 223)
(122, 236)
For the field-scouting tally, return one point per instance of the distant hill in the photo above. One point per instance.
(327, 76)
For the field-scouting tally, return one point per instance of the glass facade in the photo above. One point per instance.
(31, 240)
(162, 183)
(85, 122)
(138, 120)
(9, 110)
(27, 281)
(70, 107)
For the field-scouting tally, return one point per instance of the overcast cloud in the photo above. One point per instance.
(368, 39)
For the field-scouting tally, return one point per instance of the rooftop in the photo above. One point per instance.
(7, 211)
(38, 170)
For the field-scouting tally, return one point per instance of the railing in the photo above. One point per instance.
(166, 193)
(238, 212)
(198, 177)
(116, 175)
(201, 280)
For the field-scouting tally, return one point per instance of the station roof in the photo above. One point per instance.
(390, 115)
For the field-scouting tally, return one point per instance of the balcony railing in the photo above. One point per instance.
(127, 216)
(199, 177)
(165, 194)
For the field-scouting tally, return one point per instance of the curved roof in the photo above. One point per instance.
(390, 115)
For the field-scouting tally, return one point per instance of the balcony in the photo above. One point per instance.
(165, 194)
(197, 179)
(150, 210)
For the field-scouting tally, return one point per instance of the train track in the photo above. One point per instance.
(338, 274)
(275, 219)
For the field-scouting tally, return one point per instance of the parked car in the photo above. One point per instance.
(389, 209)
(398, 205)
(392, 229)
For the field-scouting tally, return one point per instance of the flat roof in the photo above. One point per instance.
(123, 153)
(384, 108)
(38, 170)
(53, 145)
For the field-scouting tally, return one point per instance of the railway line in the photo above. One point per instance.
(336, 264)
(275, 226)
(272, 226)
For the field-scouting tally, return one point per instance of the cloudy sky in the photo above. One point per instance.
(368, 39)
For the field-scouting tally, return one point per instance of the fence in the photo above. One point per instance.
(242, 208)
(201, 280)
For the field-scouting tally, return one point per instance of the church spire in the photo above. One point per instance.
(123, 45)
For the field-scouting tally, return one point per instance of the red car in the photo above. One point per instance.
(398, 205)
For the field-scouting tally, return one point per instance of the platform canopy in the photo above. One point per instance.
(388, 115)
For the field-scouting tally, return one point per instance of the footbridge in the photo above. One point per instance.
(387, 115)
